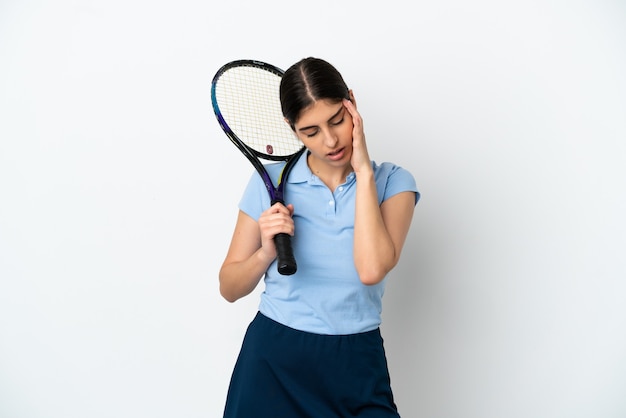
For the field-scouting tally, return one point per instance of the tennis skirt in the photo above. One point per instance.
(285, 373)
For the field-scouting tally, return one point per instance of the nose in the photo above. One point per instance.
(330, 139)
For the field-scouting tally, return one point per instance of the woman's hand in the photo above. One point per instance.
(360, 158)
(275, 220)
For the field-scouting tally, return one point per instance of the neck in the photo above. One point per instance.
(331, 176)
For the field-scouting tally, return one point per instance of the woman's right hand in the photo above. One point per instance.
(275, 220)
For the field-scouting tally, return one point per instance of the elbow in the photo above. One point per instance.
(232, 287)
(227, 292)
(372, 276)
(228, 295)
(371, 273)
(370, 281)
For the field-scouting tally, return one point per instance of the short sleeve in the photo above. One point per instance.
(255, 198)
(392, 179)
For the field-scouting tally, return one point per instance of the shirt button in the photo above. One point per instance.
(341, 188)
(331, 202)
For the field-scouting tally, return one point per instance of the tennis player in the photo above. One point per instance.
(314, 349)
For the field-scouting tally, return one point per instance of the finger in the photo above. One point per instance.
(350, 106)
(357, 121)
(279, 208)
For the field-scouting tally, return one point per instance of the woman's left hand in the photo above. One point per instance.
(360, 158)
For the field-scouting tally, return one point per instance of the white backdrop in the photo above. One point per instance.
(118, 195)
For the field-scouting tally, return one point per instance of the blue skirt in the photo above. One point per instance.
(285, 373)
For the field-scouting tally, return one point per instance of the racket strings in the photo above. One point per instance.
(249, 102)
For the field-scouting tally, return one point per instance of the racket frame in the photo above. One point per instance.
(286, 261)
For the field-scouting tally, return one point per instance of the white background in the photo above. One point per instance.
(118, 195)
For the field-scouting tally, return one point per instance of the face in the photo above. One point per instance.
(325, 128)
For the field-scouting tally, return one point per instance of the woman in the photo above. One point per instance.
(314, 348)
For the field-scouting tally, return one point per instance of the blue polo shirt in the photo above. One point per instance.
(325, 295)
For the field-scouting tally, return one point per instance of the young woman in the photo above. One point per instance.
(314, 349)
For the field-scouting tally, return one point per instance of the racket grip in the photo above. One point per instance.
(286, 261)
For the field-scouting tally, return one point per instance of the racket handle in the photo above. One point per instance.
(286, 261)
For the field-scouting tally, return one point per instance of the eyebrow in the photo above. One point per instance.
(304, 128)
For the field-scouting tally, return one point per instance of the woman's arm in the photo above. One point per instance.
(379, 230)
(252, 250)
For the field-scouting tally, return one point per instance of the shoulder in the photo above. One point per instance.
(388, 170)
(392, 179)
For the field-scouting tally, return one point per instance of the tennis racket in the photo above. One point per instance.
(245, 97)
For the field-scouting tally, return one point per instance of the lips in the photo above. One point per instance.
(336, 155)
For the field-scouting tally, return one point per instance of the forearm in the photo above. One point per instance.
(240, 278)
(374, 252)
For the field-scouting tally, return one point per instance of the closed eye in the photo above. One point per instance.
(338, 117)
(339, 122)
(311, 134)
(335, 120)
